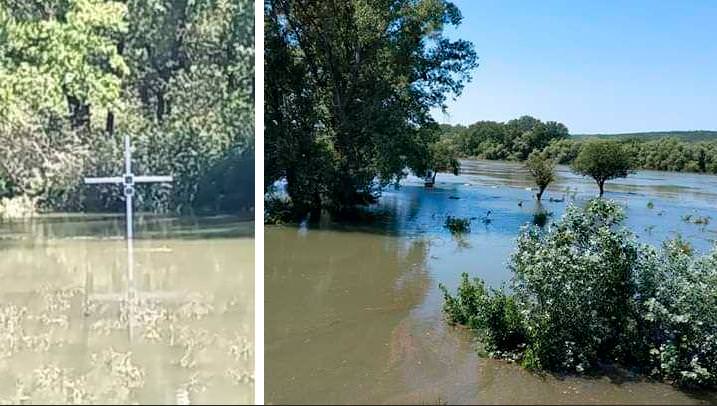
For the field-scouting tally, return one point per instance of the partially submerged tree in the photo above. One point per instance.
(542, 169)
(349, 89)
(603, 160)
(443, 158)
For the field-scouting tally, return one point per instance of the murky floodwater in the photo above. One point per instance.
(73, 329)
(353, 312)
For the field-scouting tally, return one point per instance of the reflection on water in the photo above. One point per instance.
(353, 313)
(69, 334)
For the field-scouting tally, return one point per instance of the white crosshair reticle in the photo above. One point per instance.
(128, 181)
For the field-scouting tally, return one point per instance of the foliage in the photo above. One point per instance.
(442, 157)
(684, 151)
(458, 225)
(586, 293)
(349, 88)
(603, 160)
(17, 207)
(77, 75)
(690, 136)
(540, 217)
(513, 140)
(542, 169)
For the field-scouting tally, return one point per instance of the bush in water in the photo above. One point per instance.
(458, 225)
(585, 292)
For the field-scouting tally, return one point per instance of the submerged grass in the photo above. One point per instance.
(117, 376)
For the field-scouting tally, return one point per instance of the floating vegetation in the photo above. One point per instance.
(650, 205)
(458, 225)
(240, 376)
(116, 376)
(113, 378)
(240, 348)
(196, 307)
(697, 220)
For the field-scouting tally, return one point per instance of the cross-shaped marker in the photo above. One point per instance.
(128, 181)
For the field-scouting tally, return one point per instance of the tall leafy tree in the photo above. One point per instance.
(603, 160)
(542, 169)
(349, 88)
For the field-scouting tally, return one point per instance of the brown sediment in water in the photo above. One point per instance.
(191, 324)
(355, 318)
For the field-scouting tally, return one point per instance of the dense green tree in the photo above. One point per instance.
(512, 140)
(76, 75)
(542, 169)
(349, 88)
(443, 158)
(603, 160)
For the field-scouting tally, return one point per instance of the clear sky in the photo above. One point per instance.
(596, 66)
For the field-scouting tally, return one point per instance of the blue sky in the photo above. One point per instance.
(596, 66)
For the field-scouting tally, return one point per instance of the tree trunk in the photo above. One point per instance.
(315, 211)
(79, 113)
(110, 123)
(434, 177)
(160, 105)
(539, 195)
(601, 185)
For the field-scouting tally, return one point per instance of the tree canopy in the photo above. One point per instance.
(349, 88)
(76, 75)
(512, 140)
(603, 160)
(542, 169)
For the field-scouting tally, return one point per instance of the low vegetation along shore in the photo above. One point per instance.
(587, 294)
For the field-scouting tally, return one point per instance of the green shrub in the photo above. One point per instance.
(458, 225)
(491, 312)
(540, 218)
(586, 293)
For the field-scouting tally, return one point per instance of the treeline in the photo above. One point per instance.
(664, 154)
(77, 75)
(514, 140)
(698, 135)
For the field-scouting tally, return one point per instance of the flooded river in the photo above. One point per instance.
(73, 329)
(353, 312)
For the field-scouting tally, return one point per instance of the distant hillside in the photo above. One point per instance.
(683, 135)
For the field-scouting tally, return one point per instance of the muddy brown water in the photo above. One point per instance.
(353, 312)
(70, 335)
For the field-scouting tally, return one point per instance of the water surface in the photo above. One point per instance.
(353, 312)
(71, 332)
